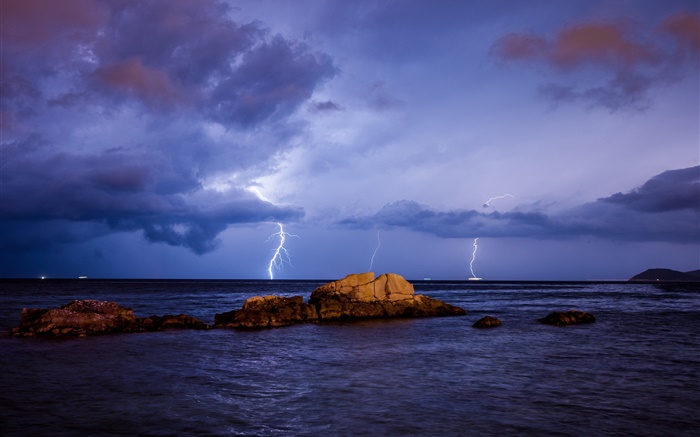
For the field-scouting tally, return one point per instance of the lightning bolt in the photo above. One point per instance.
(471, 264)
(281, 253)
(379, 244)
(486, 204)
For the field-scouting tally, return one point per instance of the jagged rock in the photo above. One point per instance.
(487, 322)
(362, 296)
(569, 318)
(268, 311)
(92, 317)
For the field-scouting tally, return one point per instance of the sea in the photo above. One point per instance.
(635, 371)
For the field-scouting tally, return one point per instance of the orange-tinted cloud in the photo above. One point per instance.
(685, 28)
(598, 43)
(631, 59)
(30, 22)
(151, 85)
(604, 44)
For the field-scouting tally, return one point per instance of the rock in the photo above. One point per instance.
(75, 318)
(355, 296)
(487, 322)
(180, 321)
(92, 317)
(268, 311)
(363, 296)
(569, 318)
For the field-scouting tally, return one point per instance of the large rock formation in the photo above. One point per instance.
(92, 317)
(569, 318)
(355, 296)
(389, 295)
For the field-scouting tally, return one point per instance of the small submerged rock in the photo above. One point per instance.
(487, 322)
(569, 318)
(94, 317)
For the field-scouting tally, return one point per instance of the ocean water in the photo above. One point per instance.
(636, 371)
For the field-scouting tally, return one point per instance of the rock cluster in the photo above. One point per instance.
(355, 296)
(93, 317)
(569, 318)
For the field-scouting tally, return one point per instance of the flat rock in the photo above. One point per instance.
(568, 318)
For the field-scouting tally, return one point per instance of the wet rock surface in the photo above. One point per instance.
(94, 317)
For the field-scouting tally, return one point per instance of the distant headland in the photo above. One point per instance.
(667, 275)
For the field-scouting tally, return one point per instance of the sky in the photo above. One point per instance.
(172, 139)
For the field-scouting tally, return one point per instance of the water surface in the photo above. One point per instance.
(633, 372)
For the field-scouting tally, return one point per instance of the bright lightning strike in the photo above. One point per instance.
(471, 264)
(379, 244)
(281, 253)
(486, 204)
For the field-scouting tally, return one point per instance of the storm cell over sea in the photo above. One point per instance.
(510, 159)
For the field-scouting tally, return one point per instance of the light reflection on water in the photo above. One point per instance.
(632, 372)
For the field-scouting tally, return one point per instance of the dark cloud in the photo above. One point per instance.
(631, 62)
(326, 106)
(113, 115)
(180, 54)
(671, 190)
(666, 208)
(274, 78)
(121, 191)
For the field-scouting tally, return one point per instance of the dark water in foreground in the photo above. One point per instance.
(634, 372)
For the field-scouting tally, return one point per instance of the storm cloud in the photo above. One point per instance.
(117, 116)
(665, 208)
